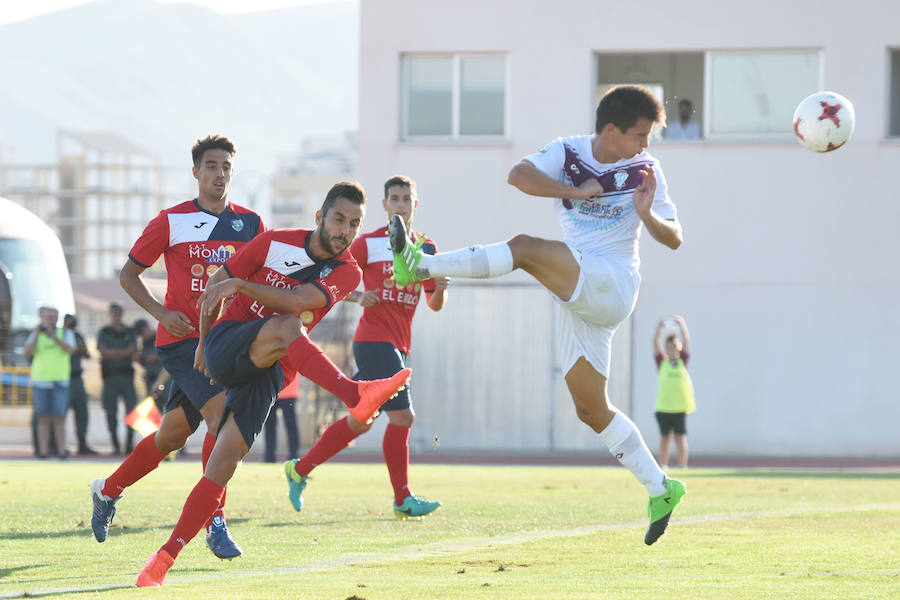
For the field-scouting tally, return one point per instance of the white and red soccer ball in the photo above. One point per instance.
(824, 121)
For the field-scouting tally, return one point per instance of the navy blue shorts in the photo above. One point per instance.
(380, 360)
(190, 388)
(250, 391)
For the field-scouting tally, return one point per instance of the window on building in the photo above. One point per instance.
(894, 120)
(455, 96)
(756, 92)
(721, 93)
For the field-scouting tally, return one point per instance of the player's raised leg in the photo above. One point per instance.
(549, 261)
(284, 336)
(624, 441)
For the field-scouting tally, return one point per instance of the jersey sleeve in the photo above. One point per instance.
(249, 258)
(360, 251)
(152, 242)
(550, 159)
(662, 203)
(340, 282)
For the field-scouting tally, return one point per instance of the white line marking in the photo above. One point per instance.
(438, 549)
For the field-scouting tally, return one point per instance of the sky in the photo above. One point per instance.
(12, 11)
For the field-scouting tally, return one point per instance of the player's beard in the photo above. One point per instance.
(332, 245)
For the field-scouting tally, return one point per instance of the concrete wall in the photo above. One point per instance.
(787, 277)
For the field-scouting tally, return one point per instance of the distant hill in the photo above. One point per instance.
(165, 74)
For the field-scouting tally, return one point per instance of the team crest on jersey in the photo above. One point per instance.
(325, 272)
(620, 178)
(210, 269)
(197, 270)
(388, 283)
(306, 317)
(237, 224)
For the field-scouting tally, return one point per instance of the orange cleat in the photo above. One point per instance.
(372, 394)
(154, 572)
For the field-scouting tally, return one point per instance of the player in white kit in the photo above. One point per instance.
(605, 186)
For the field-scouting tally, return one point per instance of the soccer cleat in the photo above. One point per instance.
(296, 483)
(660, 508)
(415, 506)
(220, 541)
(407, 254)
(104, 510)
(154, 572)
(372, 394)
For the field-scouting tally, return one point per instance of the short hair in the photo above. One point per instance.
(623, 105)
(211, 142)
(116, 307)
(45, 308)
(401, 180)
(350, 190)
(71, 318)
(139, 325)
(686, 101)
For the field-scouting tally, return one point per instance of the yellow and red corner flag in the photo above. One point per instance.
(145, 418)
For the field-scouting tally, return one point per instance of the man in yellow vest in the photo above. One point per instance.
(675, 390)
(48, 347)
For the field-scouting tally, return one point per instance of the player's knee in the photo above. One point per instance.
(170, 440)
(357, 427)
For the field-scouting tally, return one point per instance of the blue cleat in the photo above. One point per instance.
(296, 484)
(219, 540)
(415, 506)
(104, 510)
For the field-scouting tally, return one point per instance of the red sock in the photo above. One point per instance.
(144, 458)
(336, 438)
(209, 442)
(396, 456)
(310, 361)
(198, 508)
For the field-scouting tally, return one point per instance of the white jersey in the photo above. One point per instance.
(606, 225)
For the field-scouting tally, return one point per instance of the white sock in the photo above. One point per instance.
(624, 440)
(478, 262)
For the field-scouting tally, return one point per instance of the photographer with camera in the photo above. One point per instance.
(49, 348)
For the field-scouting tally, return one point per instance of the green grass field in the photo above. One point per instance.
(504, 532)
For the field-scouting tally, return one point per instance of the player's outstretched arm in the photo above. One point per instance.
(531, 180)
(438, 297)
(173, 321)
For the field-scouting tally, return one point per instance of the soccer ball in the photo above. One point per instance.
(669, 328)
(824, 121)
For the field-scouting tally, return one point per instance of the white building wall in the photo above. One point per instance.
(787, 276)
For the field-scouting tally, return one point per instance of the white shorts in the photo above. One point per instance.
(604, 296)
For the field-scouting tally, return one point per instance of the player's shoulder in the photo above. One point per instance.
(242, 210)
(376, 233)
(188, 206)
(296, 236)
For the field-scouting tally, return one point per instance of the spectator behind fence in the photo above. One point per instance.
(684, 128)
(675, 390)
(156, 379)
(48, 347)
(287, 400)
(117, 345)
(77, 393)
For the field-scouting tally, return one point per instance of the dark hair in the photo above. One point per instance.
(139, 325)
(401, 180)
(350, 190)
(211, 142)
(116, 307)
(623, 105)
(71, 318)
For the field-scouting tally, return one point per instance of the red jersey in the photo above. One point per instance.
(389, 320)
(278, 258)
(195, 242)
